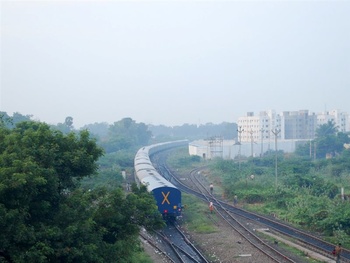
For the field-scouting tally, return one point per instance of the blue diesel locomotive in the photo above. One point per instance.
(167, 196)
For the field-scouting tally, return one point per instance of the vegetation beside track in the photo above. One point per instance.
(197, 215)
(307, 193)
(303, 196)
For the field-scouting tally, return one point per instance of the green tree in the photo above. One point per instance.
(125, 134)
(305, 149)
(327, 129)
(10, 121)
(45, 217)
(329, 140)
(38, 168)
(65, 127)
(69, 122)
(99, 130)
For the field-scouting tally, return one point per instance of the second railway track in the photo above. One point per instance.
(302, 238)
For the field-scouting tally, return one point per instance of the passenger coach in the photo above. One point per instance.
(167, 196)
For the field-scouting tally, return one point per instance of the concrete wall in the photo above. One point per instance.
(230, 149)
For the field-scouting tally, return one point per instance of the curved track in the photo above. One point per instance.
(301, 237)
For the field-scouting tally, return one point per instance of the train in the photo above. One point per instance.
(167, 196)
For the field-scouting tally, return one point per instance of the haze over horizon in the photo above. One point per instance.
(172, 62)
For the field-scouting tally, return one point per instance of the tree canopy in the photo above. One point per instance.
(10, 121)
(328, 141)
(126, 134)
(46, 217)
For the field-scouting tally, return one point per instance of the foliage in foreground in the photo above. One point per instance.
(46, 217)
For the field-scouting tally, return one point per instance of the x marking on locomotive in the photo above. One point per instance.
(166, 198)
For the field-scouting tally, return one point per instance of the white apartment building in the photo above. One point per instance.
(269, 131)
(341, 119)
(258, 128)
(289, 125)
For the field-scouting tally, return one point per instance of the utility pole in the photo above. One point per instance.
(310, 146)
(240, 130)
(251, 143)
(315, 146)
(262, 142)
(276, 132)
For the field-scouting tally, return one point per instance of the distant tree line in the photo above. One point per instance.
(126, 131)
(11, 121)
(225, 130)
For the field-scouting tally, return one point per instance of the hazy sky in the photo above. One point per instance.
(172, 62)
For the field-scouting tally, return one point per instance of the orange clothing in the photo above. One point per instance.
(211, 206)
(337, 250)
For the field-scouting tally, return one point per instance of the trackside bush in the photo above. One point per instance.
(252, 198)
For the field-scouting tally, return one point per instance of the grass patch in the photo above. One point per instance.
(142, 257)
(180, 161)
(198, 217)
(292, 250)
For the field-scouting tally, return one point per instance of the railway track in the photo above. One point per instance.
(236, 225)
(302, 238)
(173, 244)
(182, 248)
(159, 247)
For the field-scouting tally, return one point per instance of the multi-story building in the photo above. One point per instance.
(267, 131)
(289, 125)
(340, 119)
(258, 128)
(298, 125)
